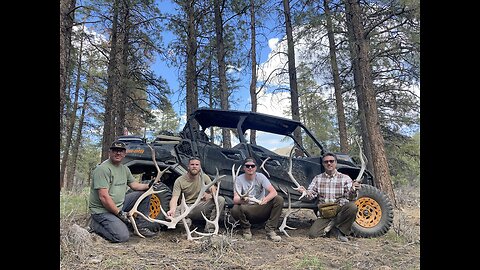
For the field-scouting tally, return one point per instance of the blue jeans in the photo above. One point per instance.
(110, 227)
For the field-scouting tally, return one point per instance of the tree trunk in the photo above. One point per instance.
(222, 70)
(120, 123)
(76, 145)
(192, 91)
(253, 82)
(292, 72)
(71, 120)
(112, 85)
(342, 127)
(66, 23)
(361, 49)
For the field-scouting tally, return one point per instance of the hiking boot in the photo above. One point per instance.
(247, 234)
(329, 227)
(273, 236)
(341, 237)
(146, 232)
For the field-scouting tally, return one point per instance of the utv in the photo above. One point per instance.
(375, 211)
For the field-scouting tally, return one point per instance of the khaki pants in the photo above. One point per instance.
(254, 213)
(343, 221)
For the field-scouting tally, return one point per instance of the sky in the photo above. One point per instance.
(267, 103)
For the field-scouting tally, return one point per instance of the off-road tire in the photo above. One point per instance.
(162, 199)
(375, 213)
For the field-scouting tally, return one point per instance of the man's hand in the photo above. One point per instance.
(206, 196)
(356, 185)
(123, 216)
(170, 214)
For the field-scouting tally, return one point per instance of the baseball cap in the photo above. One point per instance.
(118, 145)
(249, 160)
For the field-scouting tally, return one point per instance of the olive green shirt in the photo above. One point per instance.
(190, 189)
(115, 178)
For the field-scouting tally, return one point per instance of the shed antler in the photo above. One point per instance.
(187, 209)
(247, 193)
(148, 192)
(173, 221)
(289, 211)
(290, 160)
(363, 160)
(263, 167)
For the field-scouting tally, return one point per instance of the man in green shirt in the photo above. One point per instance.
(109, 202)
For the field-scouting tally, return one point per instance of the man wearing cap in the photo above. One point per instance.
(109, 202)
(246, 210)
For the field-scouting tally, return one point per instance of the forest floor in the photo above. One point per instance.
(399, 248)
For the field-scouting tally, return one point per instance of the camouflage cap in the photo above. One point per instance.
(118, 145)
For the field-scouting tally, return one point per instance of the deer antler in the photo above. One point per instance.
(247, 193)
(363, 160)
(291, 175)
(289, 211)
(148, 192)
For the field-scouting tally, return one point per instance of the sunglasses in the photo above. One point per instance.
(250, 165)
(329, 161)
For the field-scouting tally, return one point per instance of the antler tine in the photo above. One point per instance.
(246, 194)
(363, 160)
(290, 160)
(289, 211)
(217, 208)
(263, 166)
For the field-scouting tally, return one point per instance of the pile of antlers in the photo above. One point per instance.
(186, 209)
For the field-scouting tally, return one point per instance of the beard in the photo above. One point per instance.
(194, 172)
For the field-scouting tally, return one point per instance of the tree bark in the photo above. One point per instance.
(360, 48)
(191, 70)
(342, 127)
(292, 72)
(253, 57)
(222, 70)
(112, 85)
(66, 23)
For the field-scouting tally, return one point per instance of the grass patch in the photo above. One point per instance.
(73, 203)
(310, 263)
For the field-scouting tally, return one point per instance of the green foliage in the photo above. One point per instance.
(73, 203)
(403, 156)
(310, 262)
(88, 158)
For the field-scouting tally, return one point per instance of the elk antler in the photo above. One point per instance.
(214, 222)
(148, 192)
(247, 193)
(289, 211)
(263, 166)
(291, 175)
(363, 160)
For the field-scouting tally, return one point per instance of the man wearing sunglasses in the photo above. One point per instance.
(336, 194)
(260, 202)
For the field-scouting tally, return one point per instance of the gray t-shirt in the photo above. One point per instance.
(260, 184)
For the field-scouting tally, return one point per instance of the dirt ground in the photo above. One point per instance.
(399, 248)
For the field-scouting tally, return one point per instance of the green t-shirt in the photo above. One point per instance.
(191, 189)
(115, 178)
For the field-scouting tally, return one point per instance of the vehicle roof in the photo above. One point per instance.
(253, 120)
